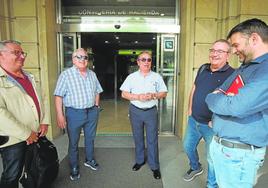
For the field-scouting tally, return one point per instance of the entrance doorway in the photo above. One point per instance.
(114, 57)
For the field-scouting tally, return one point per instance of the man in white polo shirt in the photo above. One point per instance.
(143, 88)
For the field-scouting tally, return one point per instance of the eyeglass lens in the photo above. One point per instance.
(19, 53)
(144, 59)
(217, 51)
(82, 58)
(16, 53)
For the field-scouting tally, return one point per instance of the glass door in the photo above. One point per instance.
(167, 66)
(68, 43)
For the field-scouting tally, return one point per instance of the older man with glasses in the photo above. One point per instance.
(21, 115)
(143, 88)
(209, 77)
(78, 89)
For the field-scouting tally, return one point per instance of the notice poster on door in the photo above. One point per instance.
(169, 45)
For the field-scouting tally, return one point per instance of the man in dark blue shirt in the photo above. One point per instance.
(209, 77)
(240, 121)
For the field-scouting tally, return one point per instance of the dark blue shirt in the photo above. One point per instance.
(244, 117)
(206, 82)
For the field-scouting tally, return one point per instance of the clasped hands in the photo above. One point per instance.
(146, 96)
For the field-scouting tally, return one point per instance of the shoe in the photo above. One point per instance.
(157, 174)
(137, 166)
(191, 174)
(74, 175)
(92, 164)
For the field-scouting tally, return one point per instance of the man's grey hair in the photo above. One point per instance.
(145, 52)
(3, 43)
(78, 50)
(224, 41)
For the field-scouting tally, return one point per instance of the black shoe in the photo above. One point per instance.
(157, 174)
(137, 166)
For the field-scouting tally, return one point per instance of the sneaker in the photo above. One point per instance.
(92, 164)
(191, 174)
(75, 175)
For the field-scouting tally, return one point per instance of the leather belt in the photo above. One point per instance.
(143, 109)
(83, 109)
(230, 144)
(90, 108)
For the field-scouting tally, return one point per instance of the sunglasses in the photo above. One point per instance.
(81, 58)
(144, 60)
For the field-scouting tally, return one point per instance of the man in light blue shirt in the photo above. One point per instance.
(78, 89)
(143, 88)
(240, 121)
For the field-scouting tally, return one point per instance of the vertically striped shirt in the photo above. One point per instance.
(77, 91)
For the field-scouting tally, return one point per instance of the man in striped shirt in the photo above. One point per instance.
(78, 89)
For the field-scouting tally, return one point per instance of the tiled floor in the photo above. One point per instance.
(114, 117)
(173, 161)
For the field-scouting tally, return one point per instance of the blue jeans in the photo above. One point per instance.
(236, 167)
(13, 160)
(195, 131)
(78, 119)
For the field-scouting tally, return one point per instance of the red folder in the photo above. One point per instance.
(235, 85)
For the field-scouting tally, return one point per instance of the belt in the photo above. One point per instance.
(230, 144)
(144, 109)
(90, 108)
(82, 109)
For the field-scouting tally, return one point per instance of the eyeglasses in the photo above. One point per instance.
(16, 53)
(212, 51)
(81, 58)
(144, 60)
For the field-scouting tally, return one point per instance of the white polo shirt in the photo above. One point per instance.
(137, 83)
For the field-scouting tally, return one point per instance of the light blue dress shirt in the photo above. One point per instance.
(243, 117)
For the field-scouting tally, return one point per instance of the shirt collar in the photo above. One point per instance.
(4, 72)
(142, 74)
(260, 59)
(77, 70)
(223, 69)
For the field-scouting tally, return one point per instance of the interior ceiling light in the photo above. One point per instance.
(122, 1)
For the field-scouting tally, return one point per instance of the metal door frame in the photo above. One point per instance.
(76, 44)
(161, 71)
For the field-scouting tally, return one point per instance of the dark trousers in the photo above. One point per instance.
(78, 119)
(139, 120)
(13, 160)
